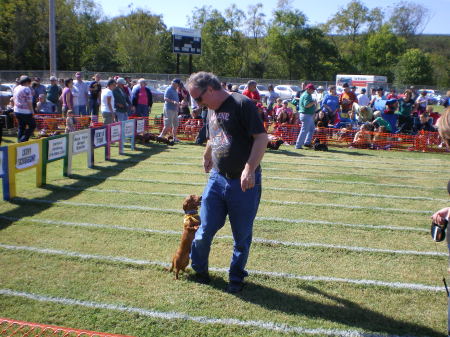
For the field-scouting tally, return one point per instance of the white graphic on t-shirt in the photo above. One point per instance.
(220, 141)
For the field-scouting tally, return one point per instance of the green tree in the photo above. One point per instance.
(409, 18)
(441, 70)
(414, 67)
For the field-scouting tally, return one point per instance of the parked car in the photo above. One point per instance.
(287, 91)
(433, 97)
(5, 95)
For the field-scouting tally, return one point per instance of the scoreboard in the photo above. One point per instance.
(186, 41)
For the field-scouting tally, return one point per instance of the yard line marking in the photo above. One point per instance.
(264, 325)
(387, 209)
(257, 219)
(331, 246)
(284, 163)
(126, 260)
(301, 190)
(275, 178)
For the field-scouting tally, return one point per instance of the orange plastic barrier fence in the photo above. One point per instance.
(188, 130)
(10, 328)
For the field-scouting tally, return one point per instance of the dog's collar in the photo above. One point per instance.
(192, 212)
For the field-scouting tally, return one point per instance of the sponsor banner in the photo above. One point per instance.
(129, 128)
(140, 126)
(81, 142)
(115, 133)
(27, 156)
(100, 137)
(57, 148)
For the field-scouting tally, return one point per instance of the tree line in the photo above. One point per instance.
(235, 42)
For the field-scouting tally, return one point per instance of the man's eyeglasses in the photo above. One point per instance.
(199, 98)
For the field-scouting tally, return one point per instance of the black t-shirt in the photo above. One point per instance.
(97, 89)
(230, 130)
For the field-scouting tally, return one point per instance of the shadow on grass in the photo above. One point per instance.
(350, 153)
(27, 209)
(288, 153)
(342, 311)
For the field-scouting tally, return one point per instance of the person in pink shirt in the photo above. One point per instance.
(142, 99)
(67, 96)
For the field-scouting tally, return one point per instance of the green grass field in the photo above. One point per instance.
(341, 247)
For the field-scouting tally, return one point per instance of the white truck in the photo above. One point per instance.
(361, 81)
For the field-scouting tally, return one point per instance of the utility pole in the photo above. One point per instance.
(52, 36)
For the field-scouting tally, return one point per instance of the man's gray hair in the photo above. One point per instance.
(203, 80)
(251, 82)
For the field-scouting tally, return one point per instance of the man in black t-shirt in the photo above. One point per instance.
(95, 90)
(236, 144)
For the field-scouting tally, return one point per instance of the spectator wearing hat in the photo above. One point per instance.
(54, 92)
(306, 108)
(141, 99)
(107, 102)
(95, 90)
(252, 92)
(121, 100)
(23, 109)
(363, 99)
(83, 95)
(171, 105)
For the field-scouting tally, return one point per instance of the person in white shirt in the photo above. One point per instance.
(363, 99)
(107, 102)
(81, 99)
(319, 95)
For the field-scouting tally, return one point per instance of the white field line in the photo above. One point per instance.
(257, 219)
(119, 169)
(276, 178)
(418, 162)
(126, 260)
(277, 202)
(305, 244)
(289, 163)
(277, 170)
(264, 325)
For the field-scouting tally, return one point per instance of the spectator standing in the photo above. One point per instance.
(83, 95)
(183, 97)
(330, 104)
(306, 108)
(271, 99)
(414, 93)
(121, 100)
(422, 102)
(363, 99)
(23, 109)
(38, 89)
(44, 106)
(445, 101)
(54, 92)
(392, 94)
(107, 102)
(252, 92)
(171, 104)
(67, 96)
(346, 101)
(319, 96)
(405, 109)
(95, 90)
(236, 146)
(142, 99)
(379, 96)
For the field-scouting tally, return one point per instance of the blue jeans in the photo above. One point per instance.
(93, 106)
(307, 130)
(142, 110)
(224, 196)
(80, 110)
(121, 116)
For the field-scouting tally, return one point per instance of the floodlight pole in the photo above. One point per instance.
(52, 37)
(178, 64)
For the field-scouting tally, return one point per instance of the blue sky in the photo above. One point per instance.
(175, 11)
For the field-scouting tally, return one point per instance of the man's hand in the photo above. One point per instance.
(247, 179)
(440, 216)
(207, 158)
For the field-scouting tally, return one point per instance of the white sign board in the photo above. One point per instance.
(140, 126)
(1, 163)
(115, 133)
(57, 148)
(27, 156)
(81, 142)
(100, 137)
(129, 128)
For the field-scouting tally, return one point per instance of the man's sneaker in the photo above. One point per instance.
(234, 287)
(202, 278)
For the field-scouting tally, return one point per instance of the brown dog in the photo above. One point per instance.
(191, 223)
